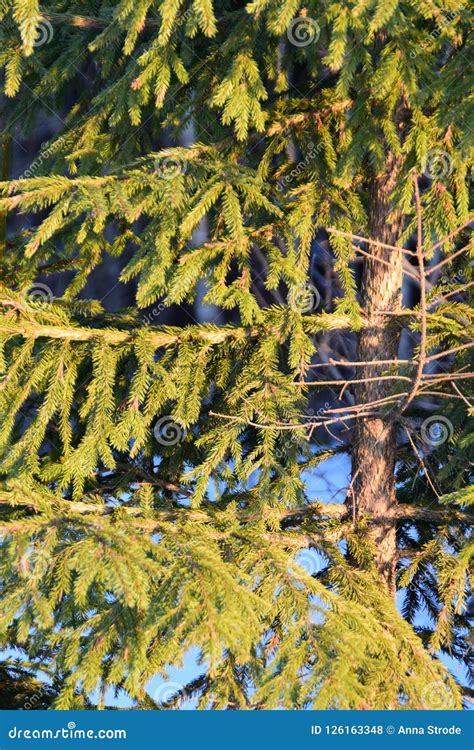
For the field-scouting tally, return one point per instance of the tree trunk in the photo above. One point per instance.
(374, 446)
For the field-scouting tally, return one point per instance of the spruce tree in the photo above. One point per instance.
(155, 480)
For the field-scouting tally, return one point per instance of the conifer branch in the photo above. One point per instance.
(157, 336)
(151, 520)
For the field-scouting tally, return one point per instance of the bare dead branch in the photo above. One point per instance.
(449, 351)
(357, 237)
(461, 394)
(295, 426)
(449, 259)
(449, 294)
(420, 459)
(410, 273)
(451, 235)
(421, 265)
(356, 380)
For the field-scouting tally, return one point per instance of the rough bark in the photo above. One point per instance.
(374, 447)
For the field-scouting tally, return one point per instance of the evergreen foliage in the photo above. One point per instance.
(154, 479)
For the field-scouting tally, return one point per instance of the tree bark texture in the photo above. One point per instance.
(374, 445)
